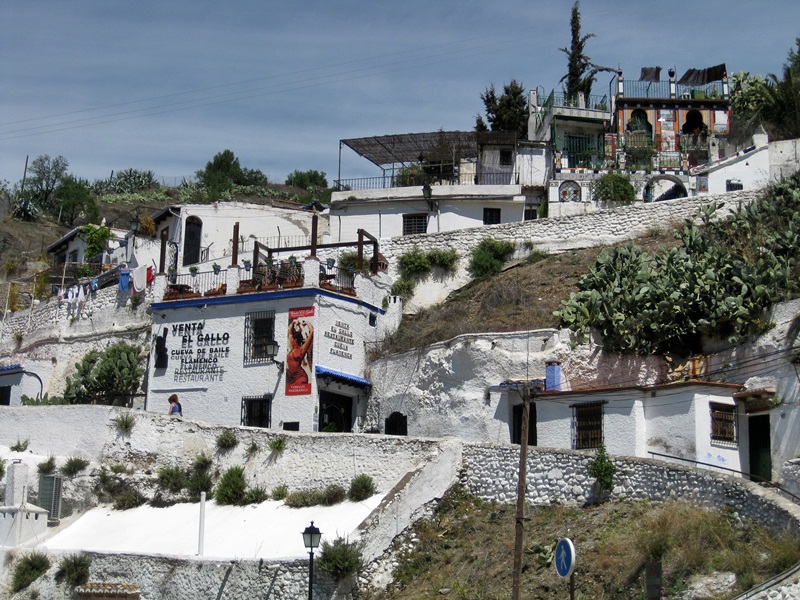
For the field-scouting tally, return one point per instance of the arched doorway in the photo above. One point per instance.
(193, 235)
(664, 187)
(396, 424)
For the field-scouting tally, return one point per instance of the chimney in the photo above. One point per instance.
(553, 379)
(16, 482)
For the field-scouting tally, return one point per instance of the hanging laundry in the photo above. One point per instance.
(124, 279)
(81, 295)
(150, 275)
(139, 279)
(94, 284)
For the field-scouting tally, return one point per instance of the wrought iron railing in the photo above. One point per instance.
(480, 178)
(594, 102)
(195, 284)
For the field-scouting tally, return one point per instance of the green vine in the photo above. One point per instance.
(96, 239)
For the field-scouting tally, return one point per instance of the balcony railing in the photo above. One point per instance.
(372, 183)
(660, 89)
(594, 102)
(194, 285)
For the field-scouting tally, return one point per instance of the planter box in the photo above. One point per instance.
(293, 284)
(246, 289)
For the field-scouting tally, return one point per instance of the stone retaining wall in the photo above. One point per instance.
(561, 476)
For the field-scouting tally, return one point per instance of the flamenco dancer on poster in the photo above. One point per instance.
(301, 337)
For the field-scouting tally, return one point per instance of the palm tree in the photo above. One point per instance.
(780, 111)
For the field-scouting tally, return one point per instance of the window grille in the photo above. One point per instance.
(506, 158)
(587, 425)
(491, 216)
(259, 329)
(257, 411)
(723, 424)
(415, 224)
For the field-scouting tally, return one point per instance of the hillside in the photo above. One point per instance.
(465, 551)
(522, 297)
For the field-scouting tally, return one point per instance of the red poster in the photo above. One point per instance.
(300, 356)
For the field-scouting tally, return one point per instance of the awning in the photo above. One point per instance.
(342, 377)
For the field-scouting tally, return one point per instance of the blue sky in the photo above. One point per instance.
(166, 85)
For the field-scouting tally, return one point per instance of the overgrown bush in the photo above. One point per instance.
(488, 257)
(124, 423)
(361, 487)
(74, 569)
(341, 558)
(108, 377)
(202, 463)
(279, 492)
(232, 487)
(303, 498)
(414, 263)
(74, 465)
(278, 443)
(613, 189)
(256, 495)
(718, 282)
(128, 497)
(602, 469)
(226, 441)
(47, 467)
(172, 478)
(28, 569)
(197, 483)
(333, 494)
(403, 287)
(20, 446)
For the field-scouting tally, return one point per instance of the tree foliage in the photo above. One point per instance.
(613, 189)
(224, 171)
(96, 239)
(44, 175)
(507, 112)
(718, 282)
(780, 110)
(75, 201)
(581, 71)
(307, 179)
(108, 377)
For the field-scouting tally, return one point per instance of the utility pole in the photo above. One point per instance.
(521, 489)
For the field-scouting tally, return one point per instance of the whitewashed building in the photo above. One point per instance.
(441, 181)
(203, 234)
(290, 357)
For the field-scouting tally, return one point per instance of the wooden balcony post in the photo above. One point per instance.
(235, 257)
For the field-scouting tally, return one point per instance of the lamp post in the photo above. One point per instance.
(311, 536)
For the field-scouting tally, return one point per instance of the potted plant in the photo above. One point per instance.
(193, 269)
(247, 265)
(331, 262)
(292, 260)
(216, 267)
(172, 275)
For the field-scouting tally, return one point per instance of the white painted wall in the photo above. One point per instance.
(784, 159)
(214, 329)
(750, 168)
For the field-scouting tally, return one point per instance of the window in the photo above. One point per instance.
(256, 410)
(491, 216)
(732, 185)
(259, 329)
(5, 395)
(291, 426)
(569, 192)
(531, 212)
(723, 424)
(415, 224)
(516, 424)
(506, 158)
(587, 425)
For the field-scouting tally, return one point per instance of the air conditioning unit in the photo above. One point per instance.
(50, 495)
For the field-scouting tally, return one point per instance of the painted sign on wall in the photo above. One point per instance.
(300, 356)
(200, 355)
(342, 338)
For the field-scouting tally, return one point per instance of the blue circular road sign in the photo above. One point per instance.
(565, 557)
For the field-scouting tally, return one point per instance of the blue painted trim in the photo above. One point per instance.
(260, 297)
(346, 377)
(11, 368)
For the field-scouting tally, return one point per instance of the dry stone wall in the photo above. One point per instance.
(561, 476)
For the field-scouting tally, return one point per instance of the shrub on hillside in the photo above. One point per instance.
(74, 569)
(28, 569)
(341, 558)
(232, 487)
(361, 487)
(488, 257)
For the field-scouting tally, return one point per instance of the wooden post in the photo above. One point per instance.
(235, 257)
(521, 488)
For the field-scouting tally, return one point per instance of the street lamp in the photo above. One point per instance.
(311, 537)
(271, 348)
